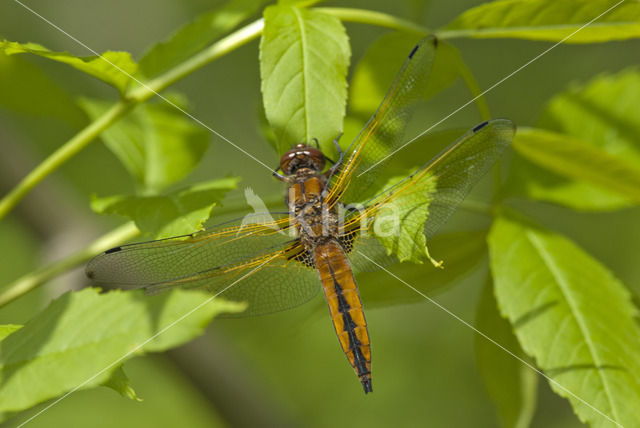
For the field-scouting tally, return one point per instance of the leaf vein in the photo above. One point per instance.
(566, 292)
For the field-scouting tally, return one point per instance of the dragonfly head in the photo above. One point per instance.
(302, 156)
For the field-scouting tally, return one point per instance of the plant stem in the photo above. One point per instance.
(374, 18)
(57, 158)
(118, 110)
(199, 60)
(36, 278)
(470, 80)
(471, 33)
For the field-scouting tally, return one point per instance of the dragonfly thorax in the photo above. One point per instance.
(312, 216)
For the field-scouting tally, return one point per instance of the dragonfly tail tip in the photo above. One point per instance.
(366, 383)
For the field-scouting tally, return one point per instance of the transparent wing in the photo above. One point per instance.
(261, 264)
(367, 253)
(450, 176)
(458, 168)
(384, 131)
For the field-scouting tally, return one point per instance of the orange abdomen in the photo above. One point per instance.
(341, 292)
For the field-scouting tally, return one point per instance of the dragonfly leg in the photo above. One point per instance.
(279, 176)
(331, 171)
(337, 164)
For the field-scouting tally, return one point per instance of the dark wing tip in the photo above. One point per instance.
(413, 51)
(90, 271)
(499, 125)
(480, 126)
(429, 39)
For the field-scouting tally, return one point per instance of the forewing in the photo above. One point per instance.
(257, 263)
(425, 200)
(384, 131)
(458, 168)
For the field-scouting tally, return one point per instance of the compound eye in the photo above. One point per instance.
(285, 161)
(317, 157)
(304, 156)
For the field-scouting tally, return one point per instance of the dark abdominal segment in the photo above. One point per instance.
(345, 307)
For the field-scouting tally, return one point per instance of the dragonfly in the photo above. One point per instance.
(333, 227)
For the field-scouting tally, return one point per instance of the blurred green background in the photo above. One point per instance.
(286, 368)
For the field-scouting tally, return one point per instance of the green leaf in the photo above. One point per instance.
(7, 329)
(178, 213)
(301, 3)
(549, 20)
(81, 338)
(573, 316)
(601, 113)
(156, 143)
(304, 57)
(196, 35)
(27, 89)
(512, 386)
(572, 158)
(113, 68)
(119, 382)
(399, 225)
(541, 184)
